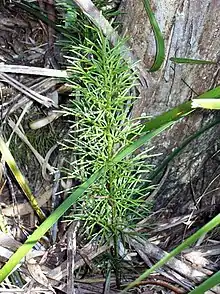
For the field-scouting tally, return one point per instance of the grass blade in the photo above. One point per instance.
(7, 156)
(208, 284)
(160, 46)
(191, 61)
(45, 226)
(205, 229)
(213, 93)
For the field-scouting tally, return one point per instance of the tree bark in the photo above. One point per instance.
(191, 29)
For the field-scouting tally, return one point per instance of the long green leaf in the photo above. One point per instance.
(45, 226)
(213, 93)
(8, 157)
(189, 241)
(208, 284)
(191, 61)
(160, 46)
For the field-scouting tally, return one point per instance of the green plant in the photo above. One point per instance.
(102, 83)
(102, 169)
(149, 130)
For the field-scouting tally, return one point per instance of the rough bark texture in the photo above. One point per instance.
(191, 29)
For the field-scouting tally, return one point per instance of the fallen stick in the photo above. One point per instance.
(33, 70)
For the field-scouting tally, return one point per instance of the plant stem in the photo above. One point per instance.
(110, 182)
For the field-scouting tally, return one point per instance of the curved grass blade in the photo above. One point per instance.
(208, 284)
(160, 46)
(172, 115)
(206, 103)
(205, 229)
(45, 226)
(191, 61)
(7, 156)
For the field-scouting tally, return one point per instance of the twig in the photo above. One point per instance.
(27, 91)
(33, 70)
(40, 159)
(25, 110)
(55, 199)
(173, 276)
(155, 252)
(20, 100)
(163, 284)
(71, 252)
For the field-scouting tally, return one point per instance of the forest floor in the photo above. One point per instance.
(27, 41)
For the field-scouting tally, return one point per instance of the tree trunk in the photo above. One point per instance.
(191, 30)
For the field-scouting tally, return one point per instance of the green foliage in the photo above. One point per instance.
(149, 130)
(102, 83)
(74, 23)
(105, 141)
(108, 8)
(67, 203)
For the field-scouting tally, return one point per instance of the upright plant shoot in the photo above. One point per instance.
(102, 87)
